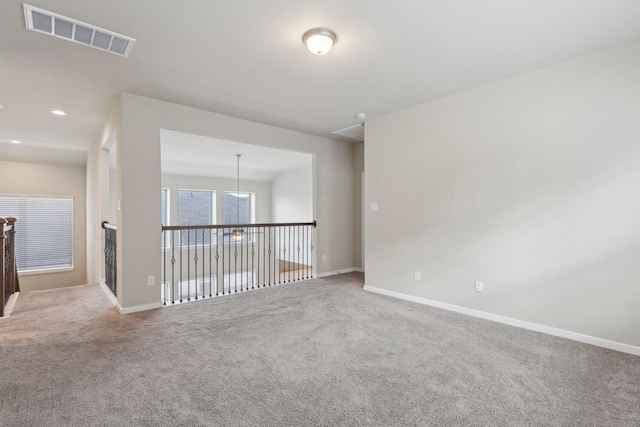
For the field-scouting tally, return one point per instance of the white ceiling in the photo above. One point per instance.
(245, 58)
(188, 154)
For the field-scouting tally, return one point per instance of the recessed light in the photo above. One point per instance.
(58, 112)
(15, 141)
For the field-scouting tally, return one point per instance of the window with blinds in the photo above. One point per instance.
(44, 231)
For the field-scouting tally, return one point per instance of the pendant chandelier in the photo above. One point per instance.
(238, 233)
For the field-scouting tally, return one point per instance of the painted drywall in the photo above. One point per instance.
(99, 188)
(358, 170)
(292, 196)
(292, 201)
(139, 179)
(261, 190)
(52, 180)
(94, 239)
(529, 185)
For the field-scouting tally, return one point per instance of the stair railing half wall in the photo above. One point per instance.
(202, 261)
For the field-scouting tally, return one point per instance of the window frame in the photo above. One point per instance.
(213, 216)
(48, 269)
(165, 242)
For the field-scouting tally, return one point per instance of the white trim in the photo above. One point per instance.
(46, 271)
(333, 273)
(10, 304)
(575, 336)
(135, 309)
(109, 294)
(127, 310)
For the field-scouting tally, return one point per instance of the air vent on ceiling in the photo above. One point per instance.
(353, 132)
(59, 26)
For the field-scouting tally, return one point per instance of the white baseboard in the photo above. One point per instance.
(333, 273)
(587, 339)
(109, 294)
(128, 310)
(135, 309)
(10, 304)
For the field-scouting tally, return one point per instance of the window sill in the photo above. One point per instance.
(45, 271)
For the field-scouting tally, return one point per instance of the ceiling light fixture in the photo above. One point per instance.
(319, 40)
(58, 112)
(15, 141)
(238, 233)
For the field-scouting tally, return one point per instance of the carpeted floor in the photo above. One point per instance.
(317, 353)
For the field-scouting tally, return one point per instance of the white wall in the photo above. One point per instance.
(292, 196)
(51, 180)
(262, 191)
(139, 178)
(292, 201)
(530, 185)
(99, 187)
(358, 237)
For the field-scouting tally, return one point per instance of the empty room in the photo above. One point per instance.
(297, 213)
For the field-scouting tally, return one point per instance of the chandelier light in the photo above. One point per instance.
(238, 233)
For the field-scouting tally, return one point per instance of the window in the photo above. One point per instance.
(195, 207)
(164, 203)
(44, 231)
(237, 208)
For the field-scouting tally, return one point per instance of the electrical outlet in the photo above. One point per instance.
(416, 275)
(151, 280)
(374, 207)
(479, 287)
(324, 257)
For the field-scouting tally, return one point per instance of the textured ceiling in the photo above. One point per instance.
(245, 58)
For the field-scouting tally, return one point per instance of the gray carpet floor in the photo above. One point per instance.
(316, 353)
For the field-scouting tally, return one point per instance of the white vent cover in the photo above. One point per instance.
(59, 26)
(353, 132)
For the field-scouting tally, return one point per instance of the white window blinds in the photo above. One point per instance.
(44, 230)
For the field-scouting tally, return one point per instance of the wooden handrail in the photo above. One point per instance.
(219, 226)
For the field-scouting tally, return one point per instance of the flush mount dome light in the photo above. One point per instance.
(319, 40)
(58, 112)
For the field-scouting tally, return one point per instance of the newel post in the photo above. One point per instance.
(3, 297)
(14, 286)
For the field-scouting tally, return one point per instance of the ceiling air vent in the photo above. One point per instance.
(353, 132)
(59, 26)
